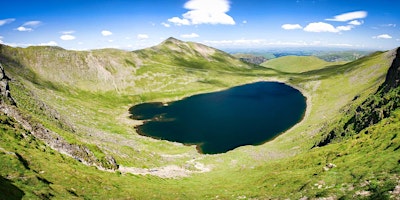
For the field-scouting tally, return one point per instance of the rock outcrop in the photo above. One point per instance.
(393, 76)
(4, 88)
(254, 60)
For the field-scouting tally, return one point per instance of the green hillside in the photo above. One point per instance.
(296, 64)
(66, 133)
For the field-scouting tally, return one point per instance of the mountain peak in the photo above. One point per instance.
(173, 40)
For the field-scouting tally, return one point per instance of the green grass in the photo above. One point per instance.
(286, 167)
(297, 64)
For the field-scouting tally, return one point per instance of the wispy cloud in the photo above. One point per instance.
(67, 32)
(349, 16)
(32, 23)
(291, 26)
(382, 36)
(6, 21)
(389, 25)
(142, 36)
(239, 42)
(205, 12)
(106, 33)
(67, 37)
(264, 43)
(51, 43)
(166, 25)
(28, 26)
(192, 35)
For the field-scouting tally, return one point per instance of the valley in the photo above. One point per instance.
(82, 98)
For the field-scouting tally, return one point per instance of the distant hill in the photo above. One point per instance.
(297, 63)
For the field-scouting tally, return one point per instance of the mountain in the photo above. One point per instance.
(65, 130)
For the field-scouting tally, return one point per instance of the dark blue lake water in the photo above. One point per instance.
(221, 121)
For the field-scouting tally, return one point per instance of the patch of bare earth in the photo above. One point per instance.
(169, 171)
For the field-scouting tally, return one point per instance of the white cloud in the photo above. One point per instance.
(356, 22)
(67, 37)
(349, 16)
(192, 35)
(244, 21)
(383, 36)
(51, 43)
(67, 32)
(24, 29)
(32, 23)
(344, 28)
(106, 33)
(291, 26)
(142, 36)
(178, 21)
(166, 25)
(6, 21)
(205, 12)
(320, 27)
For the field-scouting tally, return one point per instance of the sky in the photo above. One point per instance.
(223, 24)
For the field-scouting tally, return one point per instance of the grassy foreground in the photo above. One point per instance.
(92, 92)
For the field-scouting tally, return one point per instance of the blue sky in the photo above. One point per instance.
(136, 24)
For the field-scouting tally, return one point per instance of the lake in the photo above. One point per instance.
(218, 122)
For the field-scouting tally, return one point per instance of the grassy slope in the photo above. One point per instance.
(296, 64)
(276, 169)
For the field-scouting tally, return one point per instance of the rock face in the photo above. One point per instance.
(4, 88)
(254, 60)
(393, 75)
(55, 141)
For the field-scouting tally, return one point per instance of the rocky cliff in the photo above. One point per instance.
(393, 76)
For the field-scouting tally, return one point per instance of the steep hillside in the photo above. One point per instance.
(70, 110)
